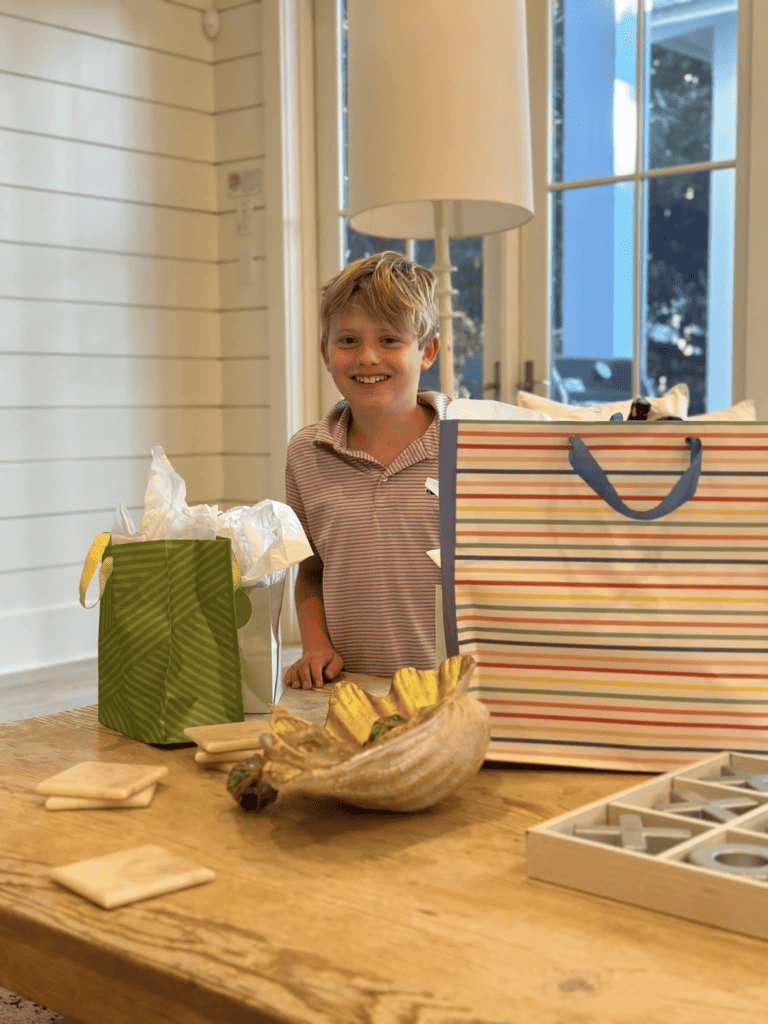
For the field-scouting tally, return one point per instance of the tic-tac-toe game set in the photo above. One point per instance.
(693, 843)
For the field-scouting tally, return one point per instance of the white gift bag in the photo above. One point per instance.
(259, 641)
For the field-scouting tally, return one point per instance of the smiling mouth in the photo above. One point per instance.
(374, 379)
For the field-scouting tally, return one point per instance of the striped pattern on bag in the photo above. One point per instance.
(168, 651)
(603, 641)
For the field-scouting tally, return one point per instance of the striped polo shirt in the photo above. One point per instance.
(372, 526)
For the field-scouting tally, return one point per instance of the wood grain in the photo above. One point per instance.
(324, 913)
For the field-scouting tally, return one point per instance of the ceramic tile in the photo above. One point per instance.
(75, 803)
(101, 780)
(130, 875)
(229, 736)
(203, 757)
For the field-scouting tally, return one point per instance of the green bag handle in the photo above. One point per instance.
(243, 607)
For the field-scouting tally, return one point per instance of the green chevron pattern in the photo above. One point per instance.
(168, 651)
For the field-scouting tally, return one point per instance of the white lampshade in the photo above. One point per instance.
(437, 98)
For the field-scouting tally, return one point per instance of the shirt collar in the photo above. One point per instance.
(333, 428)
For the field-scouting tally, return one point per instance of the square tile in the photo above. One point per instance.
(76, 803)
(131, 875)
(101, 780)
(228, 736)
(223, 766)
(203, 757)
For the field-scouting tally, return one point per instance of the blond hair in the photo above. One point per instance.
(388, 288)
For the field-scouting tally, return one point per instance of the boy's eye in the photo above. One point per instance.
(346, 342)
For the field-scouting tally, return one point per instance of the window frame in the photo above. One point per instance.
(749, 361)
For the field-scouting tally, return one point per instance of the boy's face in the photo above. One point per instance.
(375, 366)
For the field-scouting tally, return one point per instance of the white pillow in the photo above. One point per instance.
(742, 411)
(482, 409)
(673, 403)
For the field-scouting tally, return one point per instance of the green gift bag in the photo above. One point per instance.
(168, 621)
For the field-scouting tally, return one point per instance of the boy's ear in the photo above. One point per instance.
(324, 353)
(429, 352)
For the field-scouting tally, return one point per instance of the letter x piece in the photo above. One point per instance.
(740, 777)
(632, 834)
(697, 806)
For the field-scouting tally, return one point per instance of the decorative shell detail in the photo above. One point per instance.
(402, 752)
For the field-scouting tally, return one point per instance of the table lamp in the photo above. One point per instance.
(439, 140)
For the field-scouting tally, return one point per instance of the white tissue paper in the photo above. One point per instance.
(266, 540)
(485, 409)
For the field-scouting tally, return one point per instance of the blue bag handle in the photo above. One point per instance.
(585, 465)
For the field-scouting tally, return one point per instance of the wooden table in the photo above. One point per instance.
(321, 912)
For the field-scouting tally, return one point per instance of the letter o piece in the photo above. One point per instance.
(744, 859)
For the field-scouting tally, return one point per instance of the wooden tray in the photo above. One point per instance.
(663, 878)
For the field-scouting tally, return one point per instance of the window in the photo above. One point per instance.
(641, 184)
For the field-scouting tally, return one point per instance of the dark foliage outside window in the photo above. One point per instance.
(676, 272)
(680, 94)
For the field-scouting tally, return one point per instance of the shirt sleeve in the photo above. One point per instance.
(293, 498)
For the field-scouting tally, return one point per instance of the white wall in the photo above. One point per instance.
(239, 144)
(122, 323)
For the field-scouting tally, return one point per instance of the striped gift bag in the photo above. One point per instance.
(609, 579)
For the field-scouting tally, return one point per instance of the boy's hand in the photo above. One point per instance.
(308, 670)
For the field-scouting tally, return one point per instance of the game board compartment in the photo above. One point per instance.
(709, 771)
(755, 822)
(664, 880)
(721, 835)
(664, 789)
(609, 815)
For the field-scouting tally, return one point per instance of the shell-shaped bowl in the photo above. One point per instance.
(431, 737)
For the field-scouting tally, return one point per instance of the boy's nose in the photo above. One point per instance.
(368, 354)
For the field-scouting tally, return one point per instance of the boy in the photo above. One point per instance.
(365, 601)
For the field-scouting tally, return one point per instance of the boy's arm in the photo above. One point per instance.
(318, 652)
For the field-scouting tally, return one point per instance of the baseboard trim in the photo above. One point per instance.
(72, 684)
(47, 690)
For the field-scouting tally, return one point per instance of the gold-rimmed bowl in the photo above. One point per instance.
(404, 751)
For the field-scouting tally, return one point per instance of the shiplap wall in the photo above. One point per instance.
(239, 144)
(122, 322)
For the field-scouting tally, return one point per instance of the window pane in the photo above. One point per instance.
(467, 279)
(689, 286)
(594, 57)
(691, 90)
(592, 299)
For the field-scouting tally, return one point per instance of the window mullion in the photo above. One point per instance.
(650, 172)
(637, 275)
